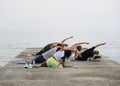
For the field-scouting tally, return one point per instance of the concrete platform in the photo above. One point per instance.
(103, 73)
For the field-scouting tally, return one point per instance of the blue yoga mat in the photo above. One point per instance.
(21, 62)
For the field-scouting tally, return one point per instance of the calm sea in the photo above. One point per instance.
(12, 42)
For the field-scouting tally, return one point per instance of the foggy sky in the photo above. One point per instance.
(59, 14)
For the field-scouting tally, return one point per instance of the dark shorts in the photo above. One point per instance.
(82, 58)
(97, 57)
(39, 59)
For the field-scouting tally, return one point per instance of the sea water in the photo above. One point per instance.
(12, 42)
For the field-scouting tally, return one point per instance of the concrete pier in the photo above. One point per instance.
(103, 73)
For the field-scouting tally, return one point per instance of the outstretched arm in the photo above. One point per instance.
(63, 62)
(75, 51)
(81, 43)
(54, 43)
(66, 39)
(62, 42)
(100, 44)
(77, 44)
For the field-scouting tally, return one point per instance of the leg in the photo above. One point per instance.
(38, 60)
(40, 65)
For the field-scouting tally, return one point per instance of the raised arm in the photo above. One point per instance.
(75, 51)
(81, 43)
(100, 44)
(77, 44)
(66, 39)
(54, 43)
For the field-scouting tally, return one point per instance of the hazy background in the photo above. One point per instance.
(35, 23)
(61, 15)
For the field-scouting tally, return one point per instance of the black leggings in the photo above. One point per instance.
(39, 59)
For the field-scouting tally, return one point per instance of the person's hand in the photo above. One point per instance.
(71, 37)
(103, 43)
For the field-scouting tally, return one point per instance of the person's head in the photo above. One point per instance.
(96, 52)
(79, 48)
(59, 44)
(55, 45)
(65, 44)
(62, 44)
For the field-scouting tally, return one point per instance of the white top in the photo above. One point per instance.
(73, 47)
(49, 53)
(59, 54)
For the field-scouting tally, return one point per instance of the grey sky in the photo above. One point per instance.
(59, 14)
